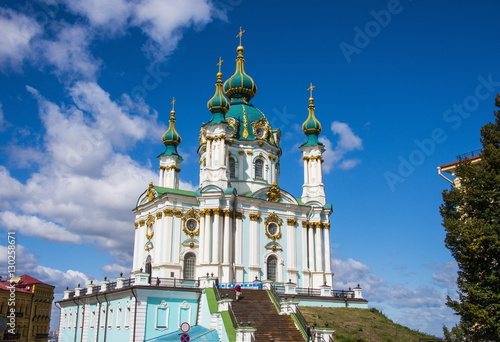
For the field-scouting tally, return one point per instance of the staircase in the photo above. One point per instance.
(257, 310)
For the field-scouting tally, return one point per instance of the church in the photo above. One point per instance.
(239, 227)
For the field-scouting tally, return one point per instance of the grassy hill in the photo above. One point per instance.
(369, 325)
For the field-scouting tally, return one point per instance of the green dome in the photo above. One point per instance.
(240, 85)
(311, 127)
(218, 104)
(171, 138)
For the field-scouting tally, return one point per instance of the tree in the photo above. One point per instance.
(471, 218)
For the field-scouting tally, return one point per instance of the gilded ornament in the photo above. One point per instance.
(227, 212)
(136, 225)
(178, 213)
(168, 212)
(273, 226)
(217, 211)
(142, 222)
(239, 215)
(291, 222)
(149, 246)
(191, 222)
(245, 123)
(151, 194)
(273, 194)
(249, 153)
(150, 231)
(254, 217)
(159, 215)
(191, 244)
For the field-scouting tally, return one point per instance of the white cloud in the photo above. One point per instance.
(69, 52)
(115, 269)
(163, 21)
(18, 32)
(111, 14)
(36, 227)
(347, 142)
(349, 273)
(60, 279)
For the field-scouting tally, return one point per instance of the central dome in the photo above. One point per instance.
(240, 85)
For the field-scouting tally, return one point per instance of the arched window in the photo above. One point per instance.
(189, 262)
(148, 268)
(232, 167)
(272, 263)
(259, 168)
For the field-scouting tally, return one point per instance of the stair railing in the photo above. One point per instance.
(217, 294)
(300, 320)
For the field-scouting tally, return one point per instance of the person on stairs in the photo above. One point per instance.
(238, 291)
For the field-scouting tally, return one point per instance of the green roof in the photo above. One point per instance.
(161, 191)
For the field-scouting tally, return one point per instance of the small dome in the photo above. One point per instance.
(240, 85)
(171, 136)
(311, 125)
(218, 103)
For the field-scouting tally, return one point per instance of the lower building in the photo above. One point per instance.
(26, 304)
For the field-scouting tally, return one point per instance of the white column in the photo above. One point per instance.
(328, 267)
(254, 239)
(166, 242)
(176, 240)
(202, 238)
(306, 171)
(216, 237)
(136, 247)
(160, 181)
(310, 247)
(305, 248)
(249, 167)
(292, 248)
(208, 236)
(228, 237)
(209, 153)
(319, 247)
(238, 239)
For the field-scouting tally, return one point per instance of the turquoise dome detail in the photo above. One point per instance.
(311, 127)
(171, 138)
(240, 85)
(218, 104)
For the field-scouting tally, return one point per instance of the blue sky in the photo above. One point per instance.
(401, 88)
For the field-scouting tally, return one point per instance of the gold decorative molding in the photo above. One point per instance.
(168, 212)
(241, 152)
(273, 194)
(254, 217)
(142, 222)
(271, 157)
(217, 211)
(227, 212)
(136, 225)
(159, 215)
(273, 226)
(305, 224)
(150, 227)
(178, 213)
(191, 222)
(239, 215)
(249, 153)
(191, 244)
(326, 225)
(151, 194)
(291, 222)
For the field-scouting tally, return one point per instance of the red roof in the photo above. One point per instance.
(24, 281)
(450, 164)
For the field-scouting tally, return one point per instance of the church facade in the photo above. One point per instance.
(240, 225)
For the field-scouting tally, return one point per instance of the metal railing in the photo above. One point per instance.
(469, 155)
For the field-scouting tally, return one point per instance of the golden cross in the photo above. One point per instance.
(240, 34)
(173, 102)
(311, 87)
(220, 63)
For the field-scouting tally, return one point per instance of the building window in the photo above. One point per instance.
(189, 262)
(148, 268)
(162, 313)
(110, 316)
(259, 168)
(232, 167)
(272, 263)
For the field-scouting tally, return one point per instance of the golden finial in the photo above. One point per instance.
(311, 87)
(172, 112)
(240, 34)
(220, 63)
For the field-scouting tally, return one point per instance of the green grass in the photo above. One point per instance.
(212, 301)
(369, 325)
(228, 324)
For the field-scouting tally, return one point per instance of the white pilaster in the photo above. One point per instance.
(202, 239)
(310, 247)
(216, 236)
(166, 242)
(319, 248)
(228, 238)
(176, 240)
(208, 236)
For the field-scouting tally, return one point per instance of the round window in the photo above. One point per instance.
(272, 228)
(191, 225)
